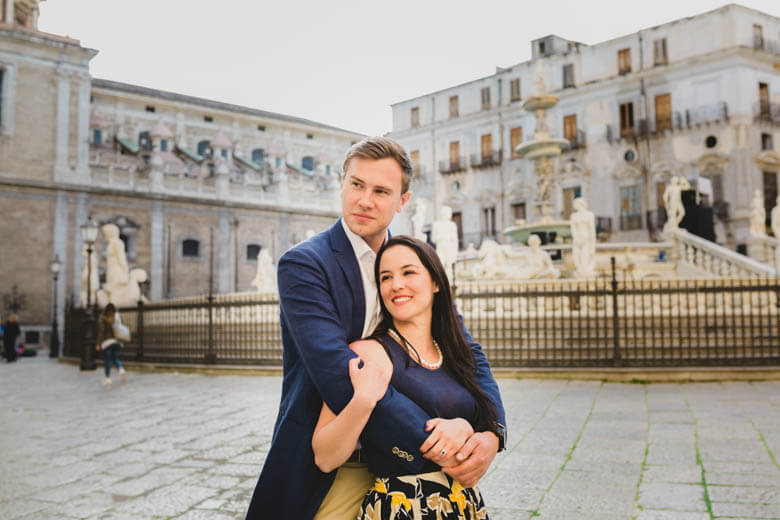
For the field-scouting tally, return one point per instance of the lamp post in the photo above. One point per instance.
(89, 232)
(54, 341)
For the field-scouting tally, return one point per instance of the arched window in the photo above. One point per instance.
(144, 141)
(252, 250)
(257, 155)
(307, 163)
(203, 148)
(190, 248)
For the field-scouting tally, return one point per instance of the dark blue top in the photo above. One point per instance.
(435, 391)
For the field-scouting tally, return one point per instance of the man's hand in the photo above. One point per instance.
(474, 458)
(448, 436)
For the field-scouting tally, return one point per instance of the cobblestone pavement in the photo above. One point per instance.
(190, 446)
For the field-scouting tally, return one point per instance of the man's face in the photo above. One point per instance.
(370, 196)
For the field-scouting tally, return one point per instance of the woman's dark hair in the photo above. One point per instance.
(109, 310)
(446, 329)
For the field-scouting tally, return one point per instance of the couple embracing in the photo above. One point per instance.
(389, 409)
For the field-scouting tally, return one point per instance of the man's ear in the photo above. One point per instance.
(404, 199)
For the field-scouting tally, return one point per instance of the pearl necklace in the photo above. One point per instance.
(404, 343)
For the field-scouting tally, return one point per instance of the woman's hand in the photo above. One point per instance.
(369, 381)
(446, 438)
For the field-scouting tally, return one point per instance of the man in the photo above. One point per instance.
(328, 299)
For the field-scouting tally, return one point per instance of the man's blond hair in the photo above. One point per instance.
(375, 148)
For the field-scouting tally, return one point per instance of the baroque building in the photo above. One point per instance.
(197, 187)
(697, 97)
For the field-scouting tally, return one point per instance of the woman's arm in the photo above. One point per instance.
(336, 436)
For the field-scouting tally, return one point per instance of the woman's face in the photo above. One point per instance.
(405, 285)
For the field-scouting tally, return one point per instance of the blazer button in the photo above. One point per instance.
(410, 458)
(395, 450)
(402, 454)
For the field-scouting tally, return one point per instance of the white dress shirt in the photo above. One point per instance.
(366, 258)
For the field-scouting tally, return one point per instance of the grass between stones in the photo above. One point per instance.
(707, 501)
(639, 508)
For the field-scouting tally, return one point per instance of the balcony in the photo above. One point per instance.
(766, 112)
(678, 121)
(486, 161)
(630, 222)
(762, 44)
(578, 142)
(452, 166)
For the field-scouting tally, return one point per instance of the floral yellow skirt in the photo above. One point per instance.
(434, 496)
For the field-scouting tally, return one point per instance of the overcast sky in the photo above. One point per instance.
(340, 62)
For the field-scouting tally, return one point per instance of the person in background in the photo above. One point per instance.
(108, 343)
(11, 332)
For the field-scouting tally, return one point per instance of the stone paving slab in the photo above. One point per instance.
(190, 446)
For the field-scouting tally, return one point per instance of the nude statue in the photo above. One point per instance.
(583, 234)
(122, 284)
(539, 262)
(418, 219)
(265, 279)
(444, 233)
(675, 211)
(757, 215)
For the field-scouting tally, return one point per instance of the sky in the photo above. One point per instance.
(338, 62)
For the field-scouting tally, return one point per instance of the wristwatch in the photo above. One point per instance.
(501, 434)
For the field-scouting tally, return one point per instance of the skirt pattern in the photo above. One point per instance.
(429, 496)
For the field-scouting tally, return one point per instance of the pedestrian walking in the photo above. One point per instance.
(109, 343)
(11, 332)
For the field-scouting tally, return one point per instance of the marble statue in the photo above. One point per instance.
(418, 219)
(757, 215)
(583, 235)
(675, 211)
(122, 284)
(265, 279)
(94, 280)
(495, 261)
(540, 80)
(444, 233)
(539, 264)
(774, 217)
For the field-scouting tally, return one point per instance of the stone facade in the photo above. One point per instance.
(72, 147)
(697, 97)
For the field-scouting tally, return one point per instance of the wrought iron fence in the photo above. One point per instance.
(606, 322)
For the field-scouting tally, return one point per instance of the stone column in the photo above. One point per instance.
(9, 11)
(7, 109)
(60, 248)
(85, 86)
(223, 243)
(81, 214)
(61, 166)
(157, 246)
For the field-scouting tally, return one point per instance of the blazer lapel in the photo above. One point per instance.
(345, 256)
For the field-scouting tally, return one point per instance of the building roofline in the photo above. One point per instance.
(210, 103)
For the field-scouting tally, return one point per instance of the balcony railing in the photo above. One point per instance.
(630, 222)
(603, 224)
(481, 160)
(762, 44)
(578, 142)
(452, 166)
(689, 118)
(767, 112)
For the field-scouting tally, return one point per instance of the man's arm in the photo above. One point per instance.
(397, 423)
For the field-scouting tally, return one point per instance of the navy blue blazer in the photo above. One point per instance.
(322, 307)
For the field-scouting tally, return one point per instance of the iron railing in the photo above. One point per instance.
(481, 160)
(452, 166)
(612, 321)
(766, 112)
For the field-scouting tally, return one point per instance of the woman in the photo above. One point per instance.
(10, 333)
(108, 342)
(419, 346)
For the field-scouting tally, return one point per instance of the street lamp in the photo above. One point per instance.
(89, 232)
(54, 341)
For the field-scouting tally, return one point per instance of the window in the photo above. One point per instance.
(770, 194)
(663, 112)
(485, 94)
(208, 119)
(624, 61)
(278, 162)
(1, 98)
(630, 215)
(659, 52)
(150, 108)
(309, 136)
(203, 148)
(569, 194)
(486, 142)
(414, 157)
(457, 217)
(758, 37)
(514, 90)
(224, 153)
(307, 163)
(252, 250)
(163, 145)
(257, 155)
(455, 155)
(570, 128)
(626, 119)
(515, 139)
(261, 128)
(97, 137)
(453, 106)
(518, 211)
(542, 48)
(190, 248)
(415, 117)
(489, 222)
(568, 76)
(144, 141)
(766, 142)
(763, 99)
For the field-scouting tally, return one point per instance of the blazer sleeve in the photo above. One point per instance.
(397, 425)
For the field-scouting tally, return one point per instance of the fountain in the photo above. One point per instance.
(543, 150)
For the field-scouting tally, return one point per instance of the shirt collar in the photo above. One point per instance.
(359, 246)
